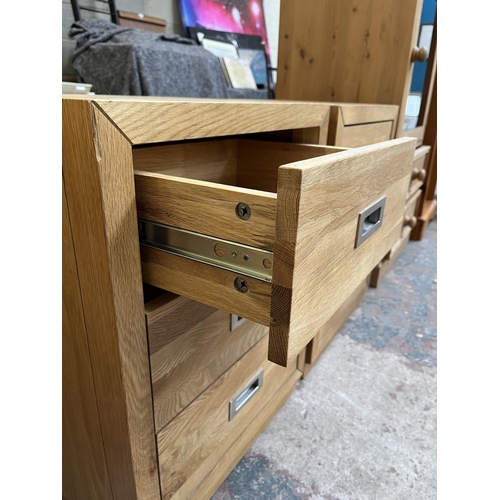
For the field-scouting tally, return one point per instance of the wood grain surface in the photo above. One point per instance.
(197, 347)
(316, 266)
(224, 460)
(157, 119)
(258, 161)
(207, 208)
(354, 52)
(169, 316)
(84, 468)
(318, 202)
(98, 174)
(370, 133)
(370, 123)
(187, 444)
(356, 113)
(213, 161)
(208, 284)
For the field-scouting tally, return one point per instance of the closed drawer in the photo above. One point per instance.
(418, 172)
(354, 136)
(280, 234)
(191, 345)
(191, 444)
(353, 125)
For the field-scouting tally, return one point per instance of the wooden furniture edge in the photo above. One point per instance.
(98, 174)
(149, 120)
(84, 466)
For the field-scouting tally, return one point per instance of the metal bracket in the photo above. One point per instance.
(243, 259)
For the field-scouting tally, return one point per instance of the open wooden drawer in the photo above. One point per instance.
(280, 234)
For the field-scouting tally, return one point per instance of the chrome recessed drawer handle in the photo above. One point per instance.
(239, 401)
(369, 220)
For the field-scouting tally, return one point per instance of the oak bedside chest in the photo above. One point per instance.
(205, 243)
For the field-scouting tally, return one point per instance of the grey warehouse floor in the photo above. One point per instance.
(362, 425)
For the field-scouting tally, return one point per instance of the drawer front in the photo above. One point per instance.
(311, 228)
(418, 173)
(354, 136)
(191, 345)
(190, 445)
(225, 458)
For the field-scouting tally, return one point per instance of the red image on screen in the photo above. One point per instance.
(232, 16)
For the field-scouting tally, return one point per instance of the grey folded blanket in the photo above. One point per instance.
(128, 61)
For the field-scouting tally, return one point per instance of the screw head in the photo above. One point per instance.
(243, 211)
(241, 285)
(267, 263)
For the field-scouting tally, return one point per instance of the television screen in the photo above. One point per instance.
(232, 16)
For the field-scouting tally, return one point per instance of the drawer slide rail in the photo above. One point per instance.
(243, 259)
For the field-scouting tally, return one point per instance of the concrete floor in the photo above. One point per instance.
(362, 425)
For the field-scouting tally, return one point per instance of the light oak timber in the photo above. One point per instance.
(370, 133)
(148, 119)
(317, 207)
(310, 220)
(356, 113)
(186, 444)
(207, 284)
(98, 164)
(342, 116)
(183, 383)
(250, 164)
(98, 175)
(213, 161)
(354, 125)
(206, 208)
(84, 468)
(313, 135)
(169, 316)
(259, 162)
(197, 347)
